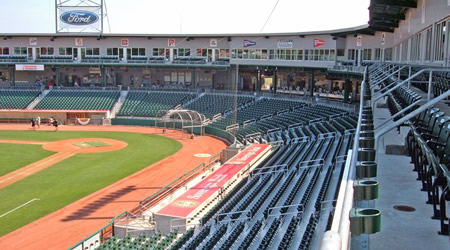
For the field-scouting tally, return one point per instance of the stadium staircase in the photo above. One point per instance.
(37, 99)
(119, 103)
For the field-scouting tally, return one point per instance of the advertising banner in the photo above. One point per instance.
(94, 70)
(285, 44)
(29, 67)
(197, 195)
(79, 19)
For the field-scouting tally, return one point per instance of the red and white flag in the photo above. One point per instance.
(318, 42)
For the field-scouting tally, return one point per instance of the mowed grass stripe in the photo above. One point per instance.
(77, 176)
(16, 156)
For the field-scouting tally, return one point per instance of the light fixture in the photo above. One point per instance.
(149, 38)
(5, 38)
(334, 38)
(355, 35)
(99, 37)
(229, 39)
(302, 36)
(52, 38)
(267, 37)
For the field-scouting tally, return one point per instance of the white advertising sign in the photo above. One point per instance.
(79, 41)
(33, 41)
(29, 67)
(124, 42)
(94, 70)
(212, 42)
(285, 44)
(171, 42)
(359, 41)
(79, 19)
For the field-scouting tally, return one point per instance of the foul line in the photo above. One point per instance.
(35, 199)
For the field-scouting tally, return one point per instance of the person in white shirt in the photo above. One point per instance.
(38, 122)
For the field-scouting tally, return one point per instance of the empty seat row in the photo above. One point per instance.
(17, 99)
(78, 100)
(428, 144)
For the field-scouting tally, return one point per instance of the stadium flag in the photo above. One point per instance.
(248, 43)
(318, 42)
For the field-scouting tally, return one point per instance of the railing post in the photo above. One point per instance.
(430, 82)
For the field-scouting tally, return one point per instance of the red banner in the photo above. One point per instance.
(184, 205)
(318, 42)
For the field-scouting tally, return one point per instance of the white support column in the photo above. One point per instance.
(359, 56)
(213, 55)
(124, 54)
(446, 45)
(433, 42)
(79, 54)
(171, 54)
(35, 51)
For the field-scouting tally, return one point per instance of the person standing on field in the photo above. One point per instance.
(38, 122)
(55, 124)
(33, 123)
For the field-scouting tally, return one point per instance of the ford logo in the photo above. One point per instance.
(79, 17)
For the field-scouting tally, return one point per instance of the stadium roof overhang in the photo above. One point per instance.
(362, 29)
(385, 15)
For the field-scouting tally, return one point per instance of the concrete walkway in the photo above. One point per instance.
(398, 186)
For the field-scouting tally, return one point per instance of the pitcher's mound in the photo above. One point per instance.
(85, 145)
(90, 144)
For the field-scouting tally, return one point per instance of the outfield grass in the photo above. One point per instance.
(77, 176)
(15, 156)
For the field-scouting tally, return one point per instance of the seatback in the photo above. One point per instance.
(428, 114)
(434, 118)
(439, 125)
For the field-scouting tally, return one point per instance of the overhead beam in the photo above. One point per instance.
(397, 3)
(383, 29)
(382, 16)
(383, 24)
(369, 32)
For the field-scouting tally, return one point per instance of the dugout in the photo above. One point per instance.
(65, 117)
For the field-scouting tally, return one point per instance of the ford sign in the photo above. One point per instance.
(79, 17)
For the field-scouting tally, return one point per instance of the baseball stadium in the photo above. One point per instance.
(332, 139)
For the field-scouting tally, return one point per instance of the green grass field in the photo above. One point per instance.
(15, 156)
(75, 177)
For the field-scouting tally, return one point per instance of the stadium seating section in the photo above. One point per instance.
(17, 99)
(212, 104)
(149, 104)
(78, 100)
